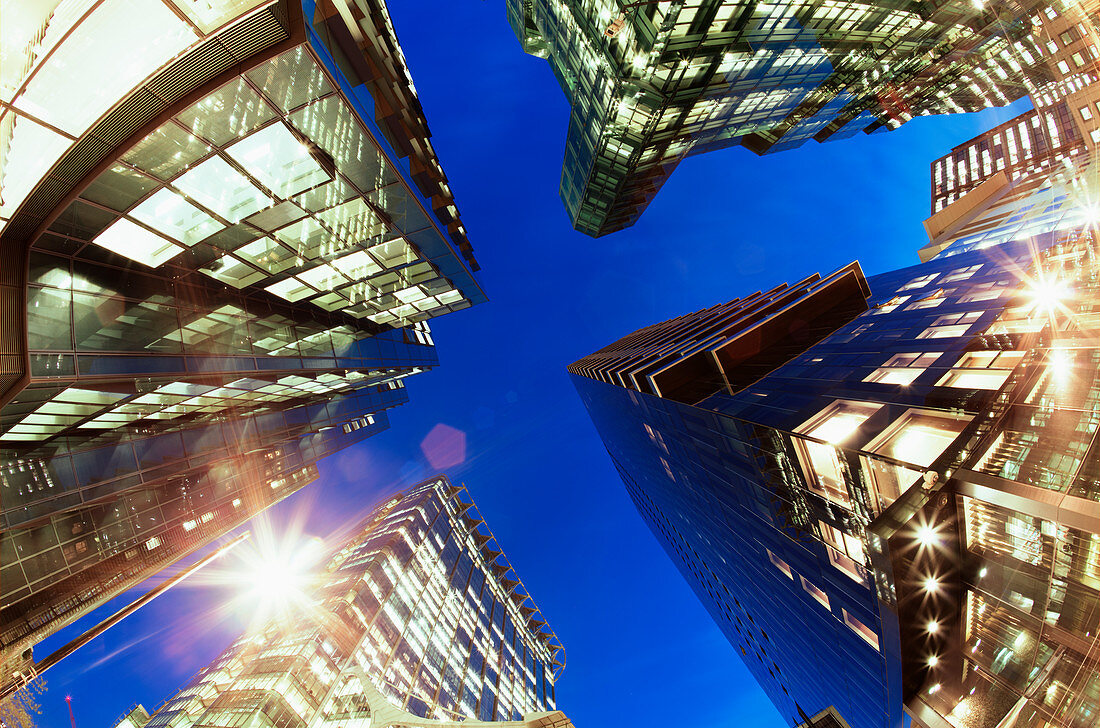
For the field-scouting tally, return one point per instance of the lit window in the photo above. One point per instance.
(918, 437)
(278, 160)
(291, 289)
(929, 302)
(169, 213)
(893, 303)
(820, 461)
(861, 629)
(950, 326)
(919, 282)
(266, 254)
(902, 368)
(1086, 113)
(114, 49)
(780, 564)
(981, 370)
(228, 269)
(846, 553)
(217, 186)
(961, 274)
(821, 597)
(136, 243)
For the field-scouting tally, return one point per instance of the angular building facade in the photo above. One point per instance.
(220, 254)
(419, 621)
(650, 83)
(885, 490)
(1062, 131)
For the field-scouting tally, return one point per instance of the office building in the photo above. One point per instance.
(420, 620)
(1061, 132)
(224, 229)
(884, 489)
(650, 83)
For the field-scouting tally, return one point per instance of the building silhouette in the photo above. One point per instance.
(884, 489)
(224, 230)
(419, 620)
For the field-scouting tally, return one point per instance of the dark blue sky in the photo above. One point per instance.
(725, 225)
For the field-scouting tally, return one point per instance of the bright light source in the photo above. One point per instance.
(277, 576)
(933, 660)
(931, 584)
(1047, 294)
(1060, 364)
(933, 627)
(983, 572)
(934, 689)
(926, 535)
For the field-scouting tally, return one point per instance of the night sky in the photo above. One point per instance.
(500, 413)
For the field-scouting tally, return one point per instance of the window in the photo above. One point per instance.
(893, 303)
(983, 292)
(902, 368)
(917, 438)
(961, 274)
(820, 461)
(780, 564)
(821, 597)
(846, 553)
(950, 326)
(1086, 113)
(919, 282)
(981, 370)
(861, 629)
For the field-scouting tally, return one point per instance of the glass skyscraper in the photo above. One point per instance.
(650, 83)
(1063, 128)
(420, 618)
(223, 230)
(885, 490)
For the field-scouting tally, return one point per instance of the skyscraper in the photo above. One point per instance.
(650, 83)
(885, 490)
(420, 621)
(223, 231)
(1061, 132)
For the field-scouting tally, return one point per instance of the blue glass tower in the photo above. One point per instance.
(884, 489)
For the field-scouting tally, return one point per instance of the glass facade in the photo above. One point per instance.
(1062, 131)
(419, 618)
(650, 83)
(222, 274)
(897, 518)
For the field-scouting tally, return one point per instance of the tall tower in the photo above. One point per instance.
(1061, 133)
(224, 230)
(650, 83)
(885, 490)
(420, 621)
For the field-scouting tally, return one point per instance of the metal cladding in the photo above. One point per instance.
(220, 262)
